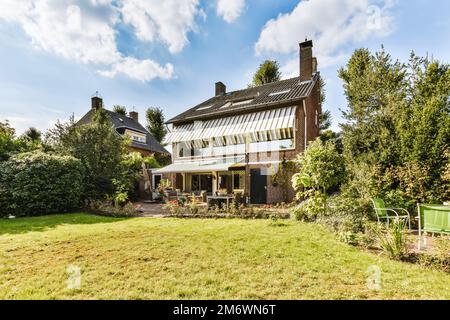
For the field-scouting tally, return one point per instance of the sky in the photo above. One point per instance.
(55, 54)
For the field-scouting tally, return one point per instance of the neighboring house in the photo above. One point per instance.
(235, 141)
(142, 140)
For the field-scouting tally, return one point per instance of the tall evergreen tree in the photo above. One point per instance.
(155, 123)
(268, 71)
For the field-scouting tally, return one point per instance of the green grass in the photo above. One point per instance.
(147, 258)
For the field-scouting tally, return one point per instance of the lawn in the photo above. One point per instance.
(149, 258)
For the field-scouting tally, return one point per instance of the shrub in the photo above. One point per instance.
(109, 210)
(393, 240)
(38, 183)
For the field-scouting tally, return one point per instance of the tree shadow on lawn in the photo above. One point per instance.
(47, 222)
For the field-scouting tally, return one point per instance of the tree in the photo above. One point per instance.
(322, 168)
(374, 87)
(33, 134)
(155, 123)
(11, 145)
(7, 144)
(61, 136)
(120, 110)
(324, 121)
(100, 149)
(398, 123)
(268, 71)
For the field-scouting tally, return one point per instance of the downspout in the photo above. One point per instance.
(306, 125)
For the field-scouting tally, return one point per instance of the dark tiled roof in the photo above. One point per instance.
(120, 121)
(272, 94)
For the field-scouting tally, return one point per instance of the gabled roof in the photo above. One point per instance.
(120, 121)
(275, 94)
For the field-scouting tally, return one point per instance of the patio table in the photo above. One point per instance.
(227, 198)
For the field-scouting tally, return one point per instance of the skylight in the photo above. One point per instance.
(236, 104)
(278, 93)
(204, 108)
(226, 105)
(240, 103)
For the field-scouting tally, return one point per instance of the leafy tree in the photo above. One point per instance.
(155, 123)
(61, 136)
(322, 168)
(11, 145)
(324, 121)
(33, 134)
(99, 148)
(398, 123)
(374, 87)
(268, 71)
(120, 110)
(7, 144)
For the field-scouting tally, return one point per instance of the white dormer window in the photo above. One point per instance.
(136, 136)
(138, 139)
(279, 92)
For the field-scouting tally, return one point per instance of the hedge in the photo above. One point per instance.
(39, 183)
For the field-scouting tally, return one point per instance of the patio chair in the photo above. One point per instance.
(388, 214)
(433, 218)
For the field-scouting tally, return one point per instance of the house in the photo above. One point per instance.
(141, 140)
(235, 141)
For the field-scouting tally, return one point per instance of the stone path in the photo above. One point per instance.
(153, 210)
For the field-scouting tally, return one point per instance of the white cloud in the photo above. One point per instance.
(168, 21)
(142, 70)
(84, 31)
(332, 24)
(65, 29)
(230, 10)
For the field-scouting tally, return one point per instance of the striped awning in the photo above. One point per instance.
(201, 166)
(273, 122)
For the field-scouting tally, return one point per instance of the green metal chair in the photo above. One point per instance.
(388, 214)
(433, 218)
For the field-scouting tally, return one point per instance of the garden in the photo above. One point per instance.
(69, 198)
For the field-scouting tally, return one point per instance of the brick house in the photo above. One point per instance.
(235, 141)
(141, 140)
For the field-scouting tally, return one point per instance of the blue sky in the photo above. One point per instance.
(54, 54)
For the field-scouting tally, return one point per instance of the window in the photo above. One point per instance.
(156, 180)
(225, 182)
(204, 108)
(241, 103)
(136, 136)
(278, 93)
(138, 139)
(226, 105)
(275, 145)
(201, 182)
(193, 148)
(238, 180)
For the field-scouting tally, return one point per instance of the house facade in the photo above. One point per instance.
(142, 141)
(235, 141)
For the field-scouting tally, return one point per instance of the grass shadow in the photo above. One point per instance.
(47, 222)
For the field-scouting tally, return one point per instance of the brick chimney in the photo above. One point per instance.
(308, 64)
(134, 115)
(96, 101)
(221, 89)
